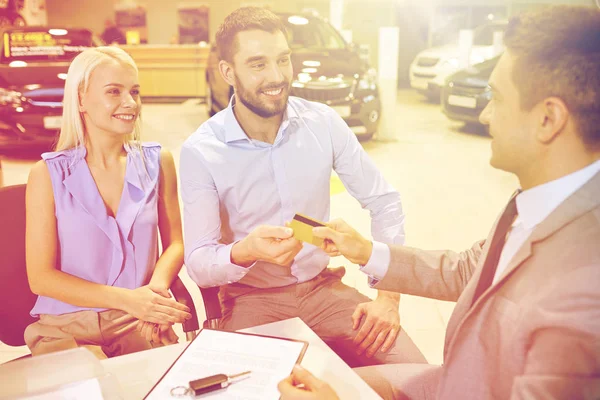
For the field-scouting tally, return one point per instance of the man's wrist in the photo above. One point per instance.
(365, 254)
(385, 295)
(240, 254)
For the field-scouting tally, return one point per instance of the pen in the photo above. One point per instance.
(214, 382)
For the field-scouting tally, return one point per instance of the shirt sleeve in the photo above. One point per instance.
(378, 264)
(208, 261)
(365, 183)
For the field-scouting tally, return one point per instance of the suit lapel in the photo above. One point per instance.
(579, 203)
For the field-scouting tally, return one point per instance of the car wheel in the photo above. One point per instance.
(209, 100)
(19, 21)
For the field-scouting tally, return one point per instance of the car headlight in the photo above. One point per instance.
(368, 80)
(487, 93)
(9, 98)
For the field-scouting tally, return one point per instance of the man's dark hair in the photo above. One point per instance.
(557, 53)
(244, 19)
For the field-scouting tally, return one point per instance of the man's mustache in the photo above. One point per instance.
(276, 86)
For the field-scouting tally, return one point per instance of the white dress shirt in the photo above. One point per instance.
(533, 206)
(231, 184)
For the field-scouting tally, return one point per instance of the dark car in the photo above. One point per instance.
(326, 69)
(10, 14)
(33, 69)
(466, 92)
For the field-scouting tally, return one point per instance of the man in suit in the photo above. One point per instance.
(527, 319)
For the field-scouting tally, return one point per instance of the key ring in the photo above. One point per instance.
(180, 391)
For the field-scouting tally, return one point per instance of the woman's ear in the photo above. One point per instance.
(80, 101)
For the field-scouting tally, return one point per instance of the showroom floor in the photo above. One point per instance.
(449, 192)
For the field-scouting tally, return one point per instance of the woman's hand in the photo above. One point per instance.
(157, 333)
(147, 305)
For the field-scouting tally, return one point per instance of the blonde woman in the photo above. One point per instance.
(94, 209)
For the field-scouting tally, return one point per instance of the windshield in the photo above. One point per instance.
(312, 34)
(62, 45)
(484, 35)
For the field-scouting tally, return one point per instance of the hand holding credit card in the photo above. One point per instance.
(303, 226)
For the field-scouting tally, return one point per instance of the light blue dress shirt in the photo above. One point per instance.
(231, 184)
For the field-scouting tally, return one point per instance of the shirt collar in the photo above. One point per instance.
(535, 204)
(233, 130)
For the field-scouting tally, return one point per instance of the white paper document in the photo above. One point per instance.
(88, 389)
(218, 352)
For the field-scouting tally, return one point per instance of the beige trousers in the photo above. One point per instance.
(324, 303)
(106, 334)
(403, 381)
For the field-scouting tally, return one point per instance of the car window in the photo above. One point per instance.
(45, 45)
(314, 34)
(484, 36)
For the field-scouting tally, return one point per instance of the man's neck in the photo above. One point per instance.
(540, 174)
(255, 126)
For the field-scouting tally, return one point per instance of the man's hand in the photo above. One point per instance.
(380, 327)
(313, 388)
(341, 238)
(274, 244)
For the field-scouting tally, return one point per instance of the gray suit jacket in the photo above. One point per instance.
(535, 334)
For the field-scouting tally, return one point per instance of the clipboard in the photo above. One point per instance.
(270, 359)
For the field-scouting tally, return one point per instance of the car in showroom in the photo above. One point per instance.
(33, 68)
(11, 14)
(326, 69)
(467, 92)
(431, 67)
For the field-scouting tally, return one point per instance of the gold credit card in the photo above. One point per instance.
(302, 226)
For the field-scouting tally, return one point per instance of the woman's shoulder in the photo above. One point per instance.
(151, 145)
(150, 150)
(67, 154)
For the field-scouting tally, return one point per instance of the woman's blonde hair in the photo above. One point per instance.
(72, 130)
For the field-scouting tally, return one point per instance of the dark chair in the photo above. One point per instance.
(16, 299)
(212, 306)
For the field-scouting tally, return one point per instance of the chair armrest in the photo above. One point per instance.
(182, 295)
(212, 306)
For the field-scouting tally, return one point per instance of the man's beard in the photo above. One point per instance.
(253, 102)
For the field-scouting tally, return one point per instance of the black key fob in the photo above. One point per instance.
(209, 384)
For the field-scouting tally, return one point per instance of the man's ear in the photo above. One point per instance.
(554, 116)
(227, 72)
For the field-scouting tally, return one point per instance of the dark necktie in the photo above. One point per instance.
(491, 262)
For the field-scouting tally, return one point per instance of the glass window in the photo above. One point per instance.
(484, 35)
(314, 35)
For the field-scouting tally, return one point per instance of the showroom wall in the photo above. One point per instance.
(412, 16)
(161, 15)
